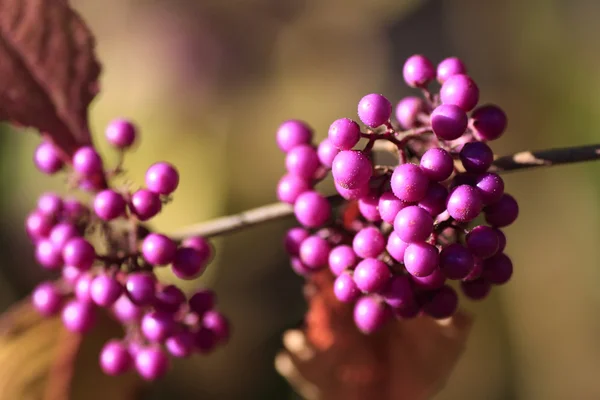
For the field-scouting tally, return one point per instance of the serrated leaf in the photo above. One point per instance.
(48, 70)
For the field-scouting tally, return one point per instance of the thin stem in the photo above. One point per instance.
(277, 211)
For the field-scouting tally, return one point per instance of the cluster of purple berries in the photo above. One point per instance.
(416, 227)
(159, 320)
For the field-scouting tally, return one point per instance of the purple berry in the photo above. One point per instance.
(151, 363)
(125, 311)
(115, 358)
(105, 290)
(398, 293)
(162, 178)
(456, 262)
(302, 161)
(345, 289)
(409, 183)
(158, 326)
(442, 303)
(201, 245)
(369, 206)
(79, 253)
(326, 152)
(48, 255)
(74, 210)
(188, 263)
(312, 209)
(437, 164)
(352, 194)
(370, 314)
(497, 269)
(79, 317)
(342, 258)
(489, 122)
(476, 271)
(371, 275)
(218, 324)
(482, 241)
(38, 225)
(491, 187)
(413, 224)
(449, 67)
(290, 187)
(396, 247)
(293, 133)
(70, 274)
(292, 240)
(205, 340)
(421, 259)
(374, 110)
(476, 157)
(299, 267)
(351, 169)
(464, 203)
(61, 233)
(408, 110)
(202, 301)
(435, 198)
(433, 281)
(344, 133)
(47, 158)
(169, 299)
(477, 289)
(390, 206)
(418, 71)
(120, 133)
(47, 299)
(50, 204)
(314, 252)
(158, 249)
(82, 287)
(141, 288)
(449, 121)
(503, 212)
(368, 242)
(109, 205)
(181, 344)
(87, 161)
(461, 91)
(145, 204)
(501, 240)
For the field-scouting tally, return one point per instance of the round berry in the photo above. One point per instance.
(342, 258)
(435, 198)
(48, 255)
(418, 71)
(202, 301)
(352, 194)
(456, 262)
(293, 238)
(47, 158)
(351, 169)
(120, 133)
(442, 303)
(421, 259)
(345, 289)
(188, 263)
(314, 252)
(201, 245)
(115, 358)
(302, 161)
(79, 253)
(408, 110)
(368, 206)
(491, 187)
(293, 133)
(326, 152)
(409, 183)
(370, 314)
(162, 178)
(464, 203)
(50, 204)
(489, 122)
(390, 206)
(61, 233)
(344, 133)
(181, 344)
(437, 164)
(368, 242)
(501, 240)
(158, 326)
(477, 289)
(218, 324)
(87, 161)
(79, 317)
(371, 275)
(312, 209)
(169, 299)
(47, 299)
(482, 241)
(158, 249)
(109, 205)
(497, 269)
(38, 225)
(374, 110)
(141, 288)
(449, 121)
(476, 157)
(125, 311)
(503, 212)
(145, 204)
(151, 363)
(82, 287)
(396, 247)
(433, 281)
(413, 224)
(399, 292)
(449, 67)
(105, 290)
(461, 91)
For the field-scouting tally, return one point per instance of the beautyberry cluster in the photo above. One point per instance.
(107, 260)
(406, 230)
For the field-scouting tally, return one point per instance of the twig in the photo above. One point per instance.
(277, 211)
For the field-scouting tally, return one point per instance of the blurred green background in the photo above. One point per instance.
(209, 81)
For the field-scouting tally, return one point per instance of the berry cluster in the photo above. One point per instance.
(117, 271)
(408, 229)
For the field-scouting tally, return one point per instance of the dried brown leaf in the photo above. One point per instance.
(48, 70)
(330, 359)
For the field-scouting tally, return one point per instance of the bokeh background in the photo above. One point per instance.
(208, 82)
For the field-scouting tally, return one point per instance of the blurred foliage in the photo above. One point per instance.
(209, 81)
